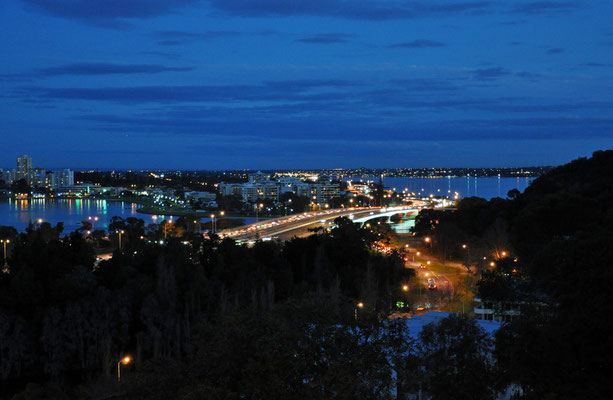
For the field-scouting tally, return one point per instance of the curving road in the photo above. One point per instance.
(299, 224)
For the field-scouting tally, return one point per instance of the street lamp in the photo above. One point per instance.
(405, 288)
(257, 210)
(120, 232)
(92, 219)
(166, 228)
(360, 305)
(213, 223)
(6, 263)
(125, 360)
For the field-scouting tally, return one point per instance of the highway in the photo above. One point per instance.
(299, 224)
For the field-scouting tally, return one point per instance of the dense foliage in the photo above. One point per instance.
(67, 318)
(558, 240)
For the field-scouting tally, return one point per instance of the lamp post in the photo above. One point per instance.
(360, 305)
(166, 228)
(92, 219)
(125, 360)
(257, 210)
(120, 232)
(213, 223)
(6, 264)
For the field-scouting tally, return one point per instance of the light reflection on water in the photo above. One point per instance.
(486, 187)
(19, 213)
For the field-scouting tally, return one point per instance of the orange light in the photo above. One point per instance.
(126, 360)
(360, 305)
(405, 288)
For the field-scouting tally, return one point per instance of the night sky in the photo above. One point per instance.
(225, 84)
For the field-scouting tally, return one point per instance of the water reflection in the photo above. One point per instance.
(19, 213)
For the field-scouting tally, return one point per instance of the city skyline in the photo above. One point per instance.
(210, 85)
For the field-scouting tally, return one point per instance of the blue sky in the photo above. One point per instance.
(224, 84)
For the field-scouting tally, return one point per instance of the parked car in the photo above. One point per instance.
(431, 284)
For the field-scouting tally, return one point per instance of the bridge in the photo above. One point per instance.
(300, 224)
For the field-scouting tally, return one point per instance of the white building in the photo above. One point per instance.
(200, 196)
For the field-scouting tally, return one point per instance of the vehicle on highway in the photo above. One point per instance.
(431, 284)
(422, 266)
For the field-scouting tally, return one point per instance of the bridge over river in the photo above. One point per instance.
(299, 224)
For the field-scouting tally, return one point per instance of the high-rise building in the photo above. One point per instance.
(24, 166)
(38, 177)
(64, 178)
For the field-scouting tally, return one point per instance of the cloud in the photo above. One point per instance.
(107, 69)
(362, 10)
(541, 7)
(425, 84)
(327, 38)
(173, 37)
(169, 56)
(102, 12)
(555, 50)
(292, 90)
(596, 65)
(418, 44)
(247, 124)
(489, 73)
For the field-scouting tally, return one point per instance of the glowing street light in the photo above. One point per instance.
(257, 211)
(120, 232)
(360, 305)
(125, 360)
(405, 288)
(6, 264)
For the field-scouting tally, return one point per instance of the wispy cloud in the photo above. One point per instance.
(107, 69)
(362, 10)
(596, 65)
(173, 38)
(418, 44)
(542, 7)
(292, 90)
(104, 12)
(327, 38)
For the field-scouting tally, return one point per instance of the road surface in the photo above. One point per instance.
(298, 224)
(434, 298)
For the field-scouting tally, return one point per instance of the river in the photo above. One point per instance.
(71, 212)
(486, 187)
(19, 213)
